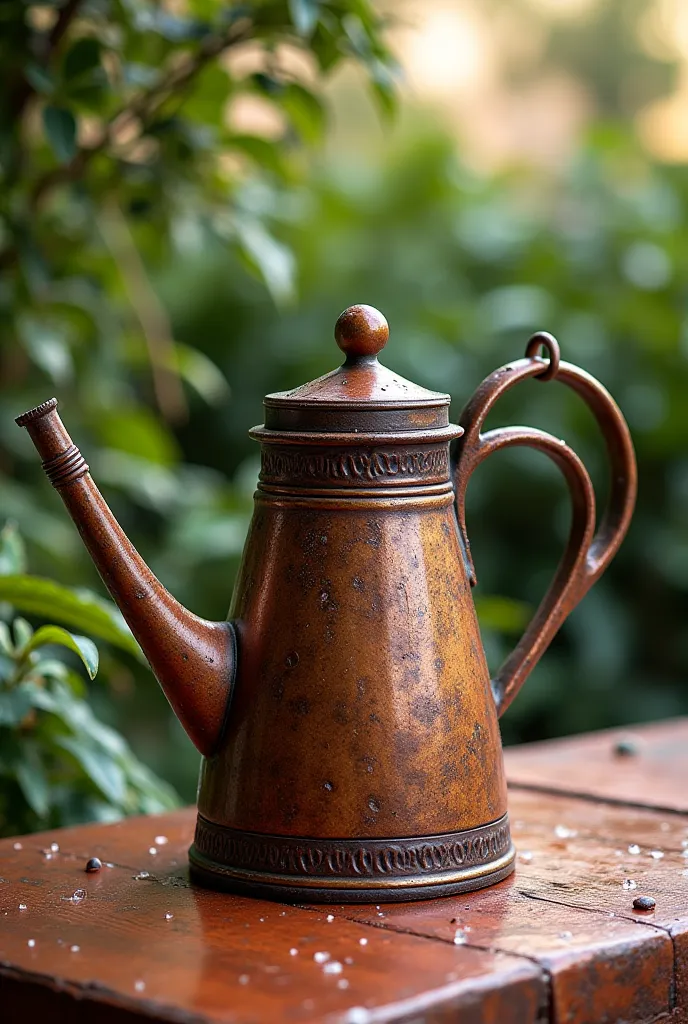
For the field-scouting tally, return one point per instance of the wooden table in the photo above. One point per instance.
(559, 941)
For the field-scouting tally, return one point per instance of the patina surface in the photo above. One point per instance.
(346, 712)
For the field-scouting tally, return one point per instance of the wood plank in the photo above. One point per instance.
(651, 773)
(567, 909)
(218, 958)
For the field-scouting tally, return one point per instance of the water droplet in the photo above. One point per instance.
(348, 960)
(78, 895)
(22, 906)
(283, 913)
(328, 786)
(321, 958)
(563, 832)
(333, 967)
(374, 805)
(161, 840)
(656, 854)
(293, 951)
(47, 855)
(93, 864)
(380, 914)
(142, 874)
(363, 942)
(526, 856)
(459, 937)
(262, 920)
(358, 1015)
(566, 935)
(139, 985)
(55, 847)
(628, 883)
(74, 949)
(330, 918)
(18, 846)
(168, 916)
(684, 844)
(244, 979)
(31, 943)
(152, 850)
(634, 849)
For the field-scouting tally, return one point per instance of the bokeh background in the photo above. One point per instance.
(524, 171)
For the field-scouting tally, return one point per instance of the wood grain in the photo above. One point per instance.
(654, 776)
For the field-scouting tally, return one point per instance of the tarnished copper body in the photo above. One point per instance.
(346, 714)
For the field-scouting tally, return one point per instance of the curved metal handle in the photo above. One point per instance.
(588, 553)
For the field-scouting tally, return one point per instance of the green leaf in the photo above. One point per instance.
(40, 78)
(105, 774)
(304, 110)
(78, 608)
(201, 373)
(15, 705)
(23, 632)
(81, 645)
(32, 778)
(273, 260)
(502, 613)
(60, 130)
(304, 15)
(83, 56)
(12, 551)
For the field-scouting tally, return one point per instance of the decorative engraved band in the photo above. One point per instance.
(351, 863)
(374, 467)
(66, 467)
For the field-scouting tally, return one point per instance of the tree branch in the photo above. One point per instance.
(144, 106)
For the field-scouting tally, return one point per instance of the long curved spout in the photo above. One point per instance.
(193, 659)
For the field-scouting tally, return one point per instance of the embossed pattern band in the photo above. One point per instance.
(346, 858)
(399, 466)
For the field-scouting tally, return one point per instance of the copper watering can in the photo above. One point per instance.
(345, 713)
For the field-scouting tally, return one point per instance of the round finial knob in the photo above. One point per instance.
(361, 331)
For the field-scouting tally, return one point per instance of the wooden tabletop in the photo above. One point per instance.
(598, 820)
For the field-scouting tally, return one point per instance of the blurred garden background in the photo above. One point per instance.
(190, 194)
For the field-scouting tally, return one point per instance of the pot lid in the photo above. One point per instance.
(362, 394)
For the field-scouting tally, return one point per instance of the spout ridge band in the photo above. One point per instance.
(66, 467)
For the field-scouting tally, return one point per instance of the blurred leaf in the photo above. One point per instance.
(40, 78)
(32, 778)
(77, 608)
(80, 645)
(82, 56)
(304, 14)
(273, 260)
(201, 373)
(100, 768)
(502, 614)
(305, 111)
(60, 130)
(137, 430)
(12, 551)
(15, 705)
(23, 631)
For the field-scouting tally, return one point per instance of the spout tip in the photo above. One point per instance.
(35, 414)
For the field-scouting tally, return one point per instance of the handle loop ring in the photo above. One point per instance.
(541, 339)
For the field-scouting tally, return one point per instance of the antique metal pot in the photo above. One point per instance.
(345, 712)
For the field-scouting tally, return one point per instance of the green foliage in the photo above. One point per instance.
(58, 763)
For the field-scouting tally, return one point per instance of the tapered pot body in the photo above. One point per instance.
(361, 757)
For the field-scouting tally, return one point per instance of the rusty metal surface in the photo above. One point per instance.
(361, 712)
